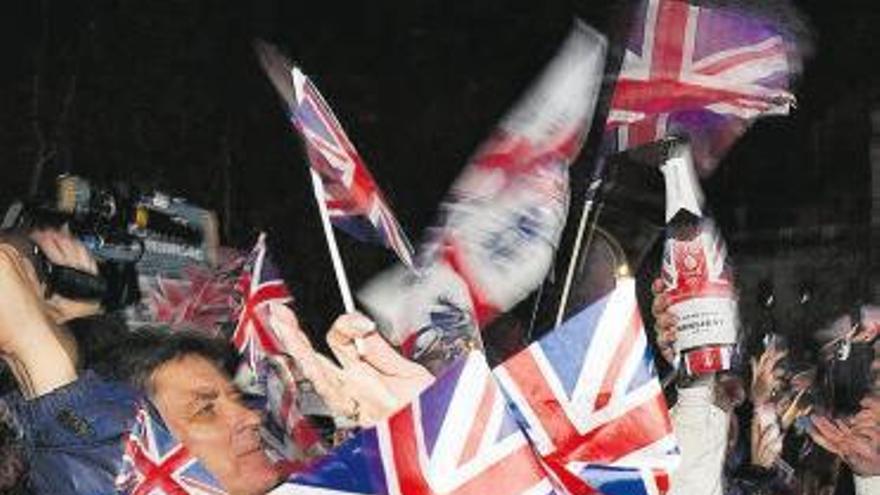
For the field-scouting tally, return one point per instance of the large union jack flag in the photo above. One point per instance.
(260, 285)
(505, 213)
(698, 71)
(354, 201)
(456, 438)
(589, 399)
(155, 463)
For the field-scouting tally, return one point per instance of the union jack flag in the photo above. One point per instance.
(702, 72)
(155, 463)
(456, 438)
(505, 214)
(260, 285)
(588, 398)
(354, 201)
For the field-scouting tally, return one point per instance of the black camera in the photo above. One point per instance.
(128, 232)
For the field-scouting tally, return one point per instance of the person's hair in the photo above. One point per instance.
(145, 350)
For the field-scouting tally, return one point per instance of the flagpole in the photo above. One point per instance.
(338, 268)
(589, 199)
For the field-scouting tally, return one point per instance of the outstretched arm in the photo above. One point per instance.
(30, 342)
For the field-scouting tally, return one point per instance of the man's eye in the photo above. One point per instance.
(206, 410)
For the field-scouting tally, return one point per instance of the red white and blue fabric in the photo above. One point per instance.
(588, 398)
(155, 463)
(458, 438)
(290, 436)
(260, 285)
(262, 373)
(698, 71)
(354, 201)
(504, 216)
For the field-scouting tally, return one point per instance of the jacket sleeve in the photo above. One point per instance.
(74, 435)
(701, 429)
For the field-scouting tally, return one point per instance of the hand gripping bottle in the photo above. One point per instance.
(696, 272)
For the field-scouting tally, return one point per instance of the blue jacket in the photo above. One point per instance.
(74, 435)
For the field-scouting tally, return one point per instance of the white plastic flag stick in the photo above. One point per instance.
(341, 278)
(592, 191)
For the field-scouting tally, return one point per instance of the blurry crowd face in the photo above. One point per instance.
(203, 409)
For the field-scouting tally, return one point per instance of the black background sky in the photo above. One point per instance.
(167, 94)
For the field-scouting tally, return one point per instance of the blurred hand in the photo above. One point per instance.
(664, 322)
(61, 248)
(766, 441)
(858, 446)
(766, 377)
(373, 380)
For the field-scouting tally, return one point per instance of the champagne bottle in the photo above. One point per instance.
(696, 271)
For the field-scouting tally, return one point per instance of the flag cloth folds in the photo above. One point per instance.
(589, 400)
(354, 202)
(504, 215)
(702, 72)
(457, 437)
(260, 285)
(154, 462)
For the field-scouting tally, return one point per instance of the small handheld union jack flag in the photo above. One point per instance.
(263, 371)
(156, 463)
(260, 285)
(354, 201)
(702, 72)
(589, 399)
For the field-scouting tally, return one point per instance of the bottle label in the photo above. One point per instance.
(705, 321)
(707, 359)
(700, 288)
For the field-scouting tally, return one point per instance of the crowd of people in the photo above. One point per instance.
(778, 426)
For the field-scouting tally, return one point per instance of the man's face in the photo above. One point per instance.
(202, 408)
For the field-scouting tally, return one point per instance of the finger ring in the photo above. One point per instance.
(354, 415)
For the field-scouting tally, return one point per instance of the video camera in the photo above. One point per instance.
(128, 232)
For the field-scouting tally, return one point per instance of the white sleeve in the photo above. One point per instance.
(701, 429)
(868, 485)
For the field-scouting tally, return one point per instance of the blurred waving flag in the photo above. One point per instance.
(504, 215)
(697, 71)
(354, 201)
(155, 463)
(260, 285)
(456, 438)
(589, 400)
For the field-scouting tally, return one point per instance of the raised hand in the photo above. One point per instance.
(858, 446)
(382, 380)
(30, 342)
(766, 377)
(63, 249)
(665, 322)
(767, 438)
(373, 380)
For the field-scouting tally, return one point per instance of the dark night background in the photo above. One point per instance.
(167, 94)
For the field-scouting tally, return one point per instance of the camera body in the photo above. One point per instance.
(129, 233)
